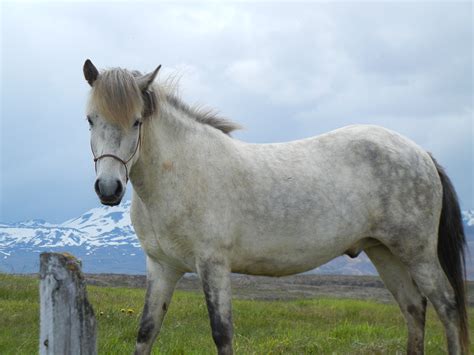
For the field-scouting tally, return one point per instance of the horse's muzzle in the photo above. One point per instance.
(110, 193)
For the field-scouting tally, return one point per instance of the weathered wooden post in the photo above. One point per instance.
(68, 323)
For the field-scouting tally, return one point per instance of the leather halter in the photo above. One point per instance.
(124, 162)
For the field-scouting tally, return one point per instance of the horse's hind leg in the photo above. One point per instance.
(432, 281)
(398, 281)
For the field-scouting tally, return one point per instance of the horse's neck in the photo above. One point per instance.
(153, 153)
(169, 142)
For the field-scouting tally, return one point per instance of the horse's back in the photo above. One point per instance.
(363, 139)
(353, 159)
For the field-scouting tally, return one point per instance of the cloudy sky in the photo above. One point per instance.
(283, 70)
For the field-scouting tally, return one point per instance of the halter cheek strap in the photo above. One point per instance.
(124, 162)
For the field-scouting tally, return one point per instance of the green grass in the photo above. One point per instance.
(318, 326)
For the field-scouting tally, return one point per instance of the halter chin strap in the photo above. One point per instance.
(124, 162)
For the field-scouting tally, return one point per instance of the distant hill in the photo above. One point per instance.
(104, 239)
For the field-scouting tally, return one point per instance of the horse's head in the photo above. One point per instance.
(119, 102)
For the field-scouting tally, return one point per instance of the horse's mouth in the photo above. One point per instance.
(110, 202)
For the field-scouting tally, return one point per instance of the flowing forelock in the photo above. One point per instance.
(117, 97)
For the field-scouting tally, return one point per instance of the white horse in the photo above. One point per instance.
(207, 203)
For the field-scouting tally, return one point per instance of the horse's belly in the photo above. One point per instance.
(297, 242)
(287, 256)
(274, 267)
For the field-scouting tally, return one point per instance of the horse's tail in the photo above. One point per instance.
(451, 249)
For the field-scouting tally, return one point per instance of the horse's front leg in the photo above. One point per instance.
(161, 281)
(215, 278)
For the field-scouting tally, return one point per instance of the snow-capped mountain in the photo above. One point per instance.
(104, 239)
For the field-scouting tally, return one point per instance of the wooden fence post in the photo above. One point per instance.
(68, 325)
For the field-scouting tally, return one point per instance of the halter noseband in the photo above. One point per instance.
(124, 162)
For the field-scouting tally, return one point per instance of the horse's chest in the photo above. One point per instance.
(173, 249)
(163, 239)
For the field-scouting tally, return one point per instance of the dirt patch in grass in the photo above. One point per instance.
(277, 288)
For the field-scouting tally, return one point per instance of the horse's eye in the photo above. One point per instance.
(90, 121)
(136, 123)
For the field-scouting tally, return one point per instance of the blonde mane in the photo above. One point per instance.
(118, 98)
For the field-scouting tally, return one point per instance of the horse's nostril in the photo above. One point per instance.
(119, 189)
(97, 187)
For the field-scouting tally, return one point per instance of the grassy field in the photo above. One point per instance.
(317, 326)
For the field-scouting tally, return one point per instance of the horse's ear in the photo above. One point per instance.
(90, 72)
(145, 81)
